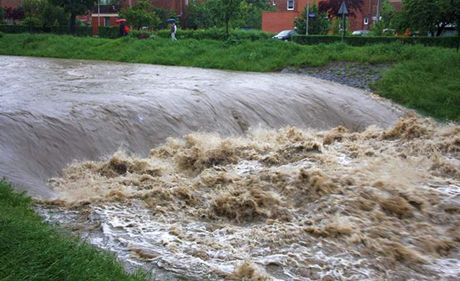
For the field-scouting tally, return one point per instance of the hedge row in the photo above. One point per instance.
(216, 34)
(449, 42)
(106, 32)
(79, 30)
(112, 32)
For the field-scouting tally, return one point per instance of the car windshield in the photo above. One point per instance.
(284, 32)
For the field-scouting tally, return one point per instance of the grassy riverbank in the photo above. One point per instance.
(33, 250)
(423, 78)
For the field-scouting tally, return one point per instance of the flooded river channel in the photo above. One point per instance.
(217, 175)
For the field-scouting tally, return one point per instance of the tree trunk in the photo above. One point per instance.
(72, 23)
(440, 29)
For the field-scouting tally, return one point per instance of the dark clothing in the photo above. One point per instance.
(122, 31)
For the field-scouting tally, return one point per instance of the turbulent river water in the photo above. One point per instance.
(227, 175)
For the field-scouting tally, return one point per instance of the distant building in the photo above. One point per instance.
(287, 10)
(283, 17)
(10, 3)
(105, 14)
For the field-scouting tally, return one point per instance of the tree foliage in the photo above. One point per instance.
(319, 24)
(332, 6)
(74, 8)
(2, 14)
(14, 14)
(225, 13)
(387, 18)
(140, 15)
(41, 13)
(431, 16)
(163, 16)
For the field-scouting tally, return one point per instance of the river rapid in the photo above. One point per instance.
(217, 175)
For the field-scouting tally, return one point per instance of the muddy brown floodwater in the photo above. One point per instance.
(217, 175)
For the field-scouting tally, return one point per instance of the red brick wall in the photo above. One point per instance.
(299, 5)
(284, 19)
(10, 3)
(95, 22)
(278, 21)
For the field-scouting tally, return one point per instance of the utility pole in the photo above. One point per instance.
(98, 14)
(307, 18)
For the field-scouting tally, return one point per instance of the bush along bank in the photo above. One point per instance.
(448, 42)
(423, 78)
(113, 32)
(33, 250)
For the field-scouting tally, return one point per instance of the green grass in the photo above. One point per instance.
(33, 250)
(423, 78)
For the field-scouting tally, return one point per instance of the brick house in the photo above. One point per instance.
(106, 15)
(283, 17)
(10, 3)
(367, 16)
(287, 10)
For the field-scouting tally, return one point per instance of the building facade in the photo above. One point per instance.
(287, 10)
(10, 4)
(283, 17)
(105, 14)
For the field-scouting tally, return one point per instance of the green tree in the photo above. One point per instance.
(319, 24)
(141, 14)
(41, 13)
(387, 14)
(74, 8)
(32, 13)
(163, 15)
(431, 16)
(53, 16)
(199, 15)
(229, 10)
(2, 14)
(226, 13)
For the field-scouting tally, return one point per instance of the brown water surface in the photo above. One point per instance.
(55, 111)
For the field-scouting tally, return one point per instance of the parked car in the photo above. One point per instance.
(360, 33)
(284, 35)
(388, 32)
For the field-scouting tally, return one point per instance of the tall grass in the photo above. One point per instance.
(33, 250)
(422, 78)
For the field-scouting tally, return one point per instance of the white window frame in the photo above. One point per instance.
(292, 7)
(366, 21)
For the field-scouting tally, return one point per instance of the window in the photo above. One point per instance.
(106, 21)
(366, 20)
(290, 4)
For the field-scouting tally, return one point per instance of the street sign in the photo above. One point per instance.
(343, 11)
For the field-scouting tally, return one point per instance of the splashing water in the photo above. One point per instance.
(285, 204)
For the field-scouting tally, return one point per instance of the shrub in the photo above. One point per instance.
(79, 30)
(449, 42)
(216, 34)
(108, 32)
(14, 28)
(139, 34)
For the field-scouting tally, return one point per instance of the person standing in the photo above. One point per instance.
(173, 31)
(122, 29)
